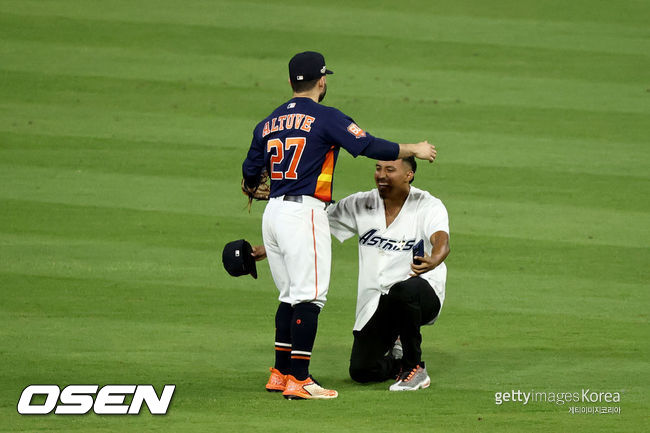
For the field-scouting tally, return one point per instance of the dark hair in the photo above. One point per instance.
(414, 166)
(303, 86)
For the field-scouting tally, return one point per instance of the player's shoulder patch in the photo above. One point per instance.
(354, 129)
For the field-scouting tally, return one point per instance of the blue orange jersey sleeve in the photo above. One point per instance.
(356, 141)
(254, 162)
(299, 143)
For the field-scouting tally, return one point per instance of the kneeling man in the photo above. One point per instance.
(403, 242)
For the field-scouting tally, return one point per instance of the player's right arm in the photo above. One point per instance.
(422, 150)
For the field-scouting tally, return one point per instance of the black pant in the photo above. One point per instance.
(401, 312)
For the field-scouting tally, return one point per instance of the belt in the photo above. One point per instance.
(309, 199)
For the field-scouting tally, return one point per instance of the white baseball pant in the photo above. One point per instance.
(298, 248)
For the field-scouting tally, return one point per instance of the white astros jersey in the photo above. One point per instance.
(385, 253)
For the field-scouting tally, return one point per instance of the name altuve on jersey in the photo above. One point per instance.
(288, 121)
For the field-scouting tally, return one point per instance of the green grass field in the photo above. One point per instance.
(123, 125)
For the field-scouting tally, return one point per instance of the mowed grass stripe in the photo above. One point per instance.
(567, 212)
(185, 160)
(537, 188)
(512, 256)
(409, 53)
(134, 191)
(64, 256)
(539, 122)
(593, 156)
(518, 325)
(172, 206)
(514, 355)
(553, 350)
(526, 184)
(110, 224)
(95, 295)
(565, 224)
(150, 94)
(139, 261)
(128, 127)
(126, 262)
(147, 90)
(472, 290)
(466, 156)
(421, 22)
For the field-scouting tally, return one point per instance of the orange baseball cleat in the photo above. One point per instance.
(307, 389)
(277, 381)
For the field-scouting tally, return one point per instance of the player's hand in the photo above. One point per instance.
(425, 150)
(259, 252)
(427, 264)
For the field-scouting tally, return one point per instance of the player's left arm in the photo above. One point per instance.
(254, 163)
(439, 252)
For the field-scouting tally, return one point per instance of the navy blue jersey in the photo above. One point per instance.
(299, 143)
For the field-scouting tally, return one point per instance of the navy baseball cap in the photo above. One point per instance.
(307, 66)
(237, 258)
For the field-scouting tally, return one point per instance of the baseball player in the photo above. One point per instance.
(400, 288)
(298, 145)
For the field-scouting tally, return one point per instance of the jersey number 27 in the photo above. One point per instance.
(277, 149)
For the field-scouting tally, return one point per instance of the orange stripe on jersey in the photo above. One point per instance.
(324, 182)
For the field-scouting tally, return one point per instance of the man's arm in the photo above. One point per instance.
(439, 252)
(384, 150)
(422, 150)
(343, 222)
(355, 140)
(254, 163)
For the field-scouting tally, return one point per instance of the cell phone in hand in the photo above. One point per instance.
(418, 250)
